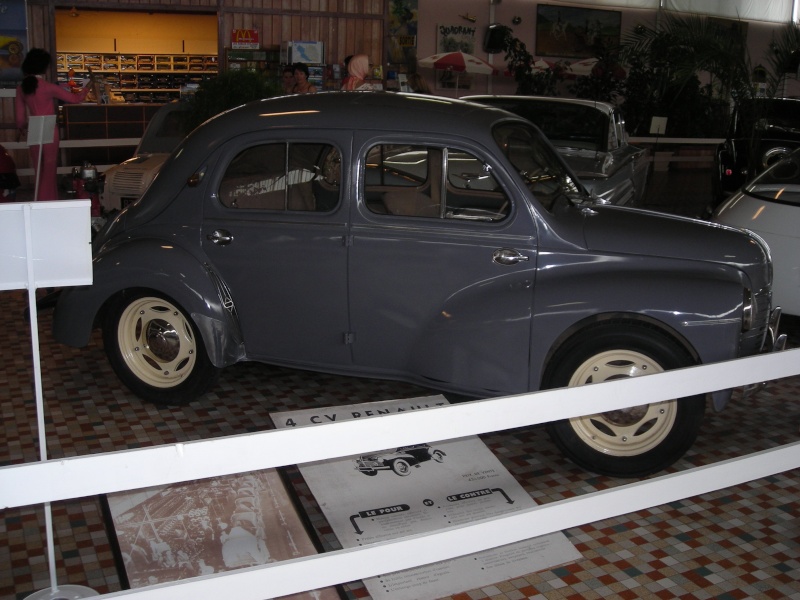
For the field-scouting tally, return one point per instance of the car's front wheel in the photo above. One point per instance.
(401, 467)
(156, 350)
(630, 442)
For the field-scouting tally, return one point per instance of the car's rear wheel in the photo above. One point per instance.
(438, 456)
(156, 350)
(401, 467)
(630, 442)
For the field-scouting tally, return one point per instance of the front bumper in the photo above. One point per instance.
(774, 341)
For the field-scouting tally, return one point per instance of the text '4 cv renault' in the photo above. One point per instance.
(417, 238)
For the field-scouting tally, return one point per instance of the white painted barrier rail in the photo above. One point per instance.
(53, 480)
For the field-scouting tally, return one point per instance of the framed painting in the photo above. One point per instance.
(569, 32)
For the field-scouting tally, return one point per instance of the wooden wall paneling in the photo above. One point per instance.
(276, 30)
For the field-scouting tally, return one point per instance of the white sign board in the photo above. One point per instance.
(57, 235)
(416, 489)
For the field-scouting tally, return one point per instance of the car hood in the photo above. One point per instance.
(649, 233)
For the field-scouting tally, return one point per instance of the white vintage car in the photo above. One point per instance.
(592, 139)
(770, 206)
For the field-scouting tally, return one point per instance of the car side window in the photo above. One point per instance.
(421, 181)
(283, 177)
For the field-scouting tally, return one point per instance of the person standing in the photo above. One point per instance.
(287, 79)
(36, 97)
(417, 83)
(301, 83)
(358, 70)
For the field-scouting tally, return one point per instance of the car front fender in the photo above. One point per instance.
(166, 269)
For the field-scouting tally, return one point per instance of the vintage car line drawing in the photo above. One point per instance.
(591, 137)
(399, 461)
(411, 237)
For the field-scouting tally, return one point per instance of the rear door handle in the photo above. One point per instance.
(508, 256)
(221, 237)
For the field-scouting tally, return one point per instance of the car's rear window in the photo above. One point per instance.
(284, 177)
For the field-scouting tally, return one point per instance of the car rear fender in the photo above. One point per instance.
(165, 269)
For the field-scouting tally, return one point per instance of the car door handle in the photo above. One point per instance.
(221, 237)
(508, 256)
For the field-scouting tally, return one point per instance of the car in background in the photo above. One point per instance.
(592, 139)
(761, 133)
(769, 205)
(126, 182)
(399, 461)
(430, 240)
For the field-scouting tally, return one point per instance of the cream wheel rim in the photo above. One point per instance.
(630, 431)
(156, 342)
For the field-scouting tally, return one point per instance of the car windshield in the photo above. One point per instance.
(542, 169)
(571, 125)
(780, 183)
(165, 131)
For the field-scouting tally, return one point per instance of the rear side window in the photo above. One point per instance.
(432, 182)
(283, 177)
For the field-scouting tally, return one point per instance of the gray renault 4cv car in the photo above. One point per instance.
(417, 238)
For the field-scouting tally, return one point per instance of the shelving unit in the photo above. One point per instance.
(145, 78)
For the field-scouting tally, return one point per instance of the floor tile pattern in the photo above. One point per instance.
(741, 542)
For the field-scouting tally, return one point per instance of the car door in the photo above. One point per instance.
(274, 229)
(441, 268)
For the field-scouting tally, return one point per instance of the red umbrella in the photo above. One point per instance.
(461, 62)
(458, 62)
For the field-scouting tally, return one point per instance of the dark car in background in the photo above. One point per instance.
(422, 239)
(761, 133)
(592, 139)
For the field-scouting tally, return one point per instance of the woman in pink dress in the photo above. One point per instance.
(36, 97)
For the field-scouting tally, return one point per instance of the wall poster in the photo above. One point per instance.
(402, 46)
(455, 38)
(569, 32)
(13, 41)
(183, 530)
(420, 488)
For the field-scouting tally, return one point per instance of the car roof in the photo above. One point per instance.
(423, 116)
(350, 111)
(604, 107)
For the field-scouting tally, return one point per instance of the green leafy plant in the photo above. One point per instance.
(228, 90)
(606, 80)
(530, 81)
(664, 64)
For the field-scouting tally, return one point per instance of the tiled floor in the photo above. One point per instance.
(741, 542)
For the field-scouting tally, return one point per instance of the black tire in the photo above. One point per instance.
(401, 467)
(370, 473)
(438, 456)
(155, 349)
(637, 441)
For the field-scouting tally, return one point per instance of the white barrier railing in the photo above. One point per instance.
(52, 480)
